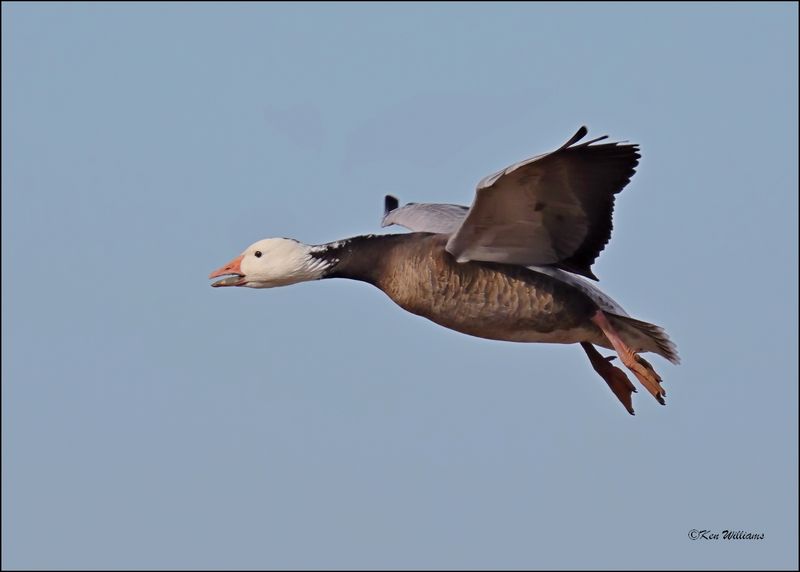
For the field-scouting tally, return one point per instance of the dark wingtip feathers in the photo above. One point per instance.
(579, 134)
(390, 203)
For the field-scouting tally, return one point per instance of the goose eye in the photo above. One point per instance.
(258, 254)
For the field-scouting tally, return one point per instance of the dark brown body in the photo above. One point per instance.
(488, 300)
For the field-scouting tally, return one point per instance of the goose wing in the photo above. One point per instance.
(423, 217)
(552, 209)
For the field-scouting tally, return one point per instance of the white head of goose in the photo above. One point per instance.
(510, 267)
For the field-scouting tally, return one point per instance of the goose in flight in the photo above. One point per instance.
(514, 266)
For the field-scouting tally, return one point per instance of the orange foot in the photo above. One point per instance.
(613, 376)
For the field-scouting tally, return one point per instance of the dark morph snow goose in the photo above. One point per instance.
(510, 267)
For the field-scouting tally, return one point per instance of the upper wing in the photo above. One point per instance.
(551, 209)
(424, 217)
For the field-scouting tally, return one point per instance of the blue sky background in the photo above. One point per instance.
(150, 421)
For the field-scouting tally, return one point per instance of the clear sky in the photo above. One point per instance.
(150, 421)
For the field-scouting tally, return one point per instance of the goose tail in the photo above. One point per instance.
(644, 336)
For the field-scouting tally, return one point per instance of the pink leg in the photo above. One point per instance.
(643, 371)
